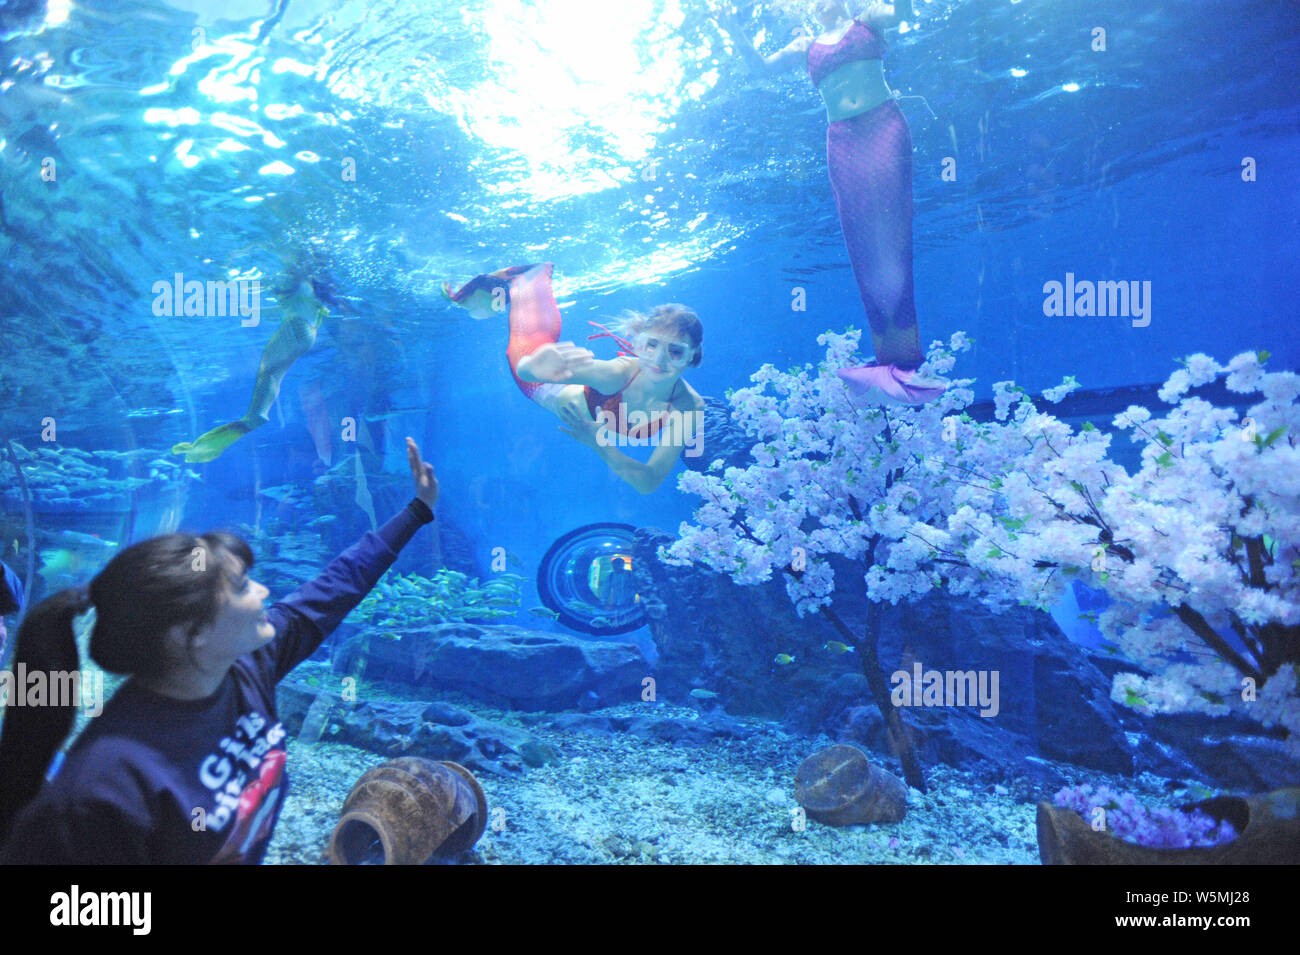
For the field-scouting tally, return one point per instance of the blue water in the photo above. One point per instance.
(639, 155)
(481, 142)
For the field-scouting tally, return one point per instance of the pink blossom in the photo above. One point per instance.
(1011, 510)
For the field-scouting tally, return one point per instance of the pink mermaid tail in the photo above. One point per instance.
(869, 157)
(534, 317)
(870, 161)
(889, 384)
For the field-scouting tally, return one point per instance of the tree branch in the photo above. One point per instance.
(1198, 625)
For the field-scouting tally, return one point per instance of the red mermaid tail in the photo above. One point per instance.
(525, 290)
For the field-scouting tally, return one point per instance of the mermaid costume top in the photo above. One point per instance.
(597, 400)
(859, 42)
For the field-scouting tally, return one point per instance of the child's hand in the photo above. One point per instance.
(426, 484)
(559, 362)
(581, 427)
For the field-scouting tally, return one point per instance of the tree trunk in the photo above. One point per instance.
(869, 654)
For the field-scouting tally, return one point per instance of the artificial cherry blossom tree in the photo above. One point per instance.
(1196, 548)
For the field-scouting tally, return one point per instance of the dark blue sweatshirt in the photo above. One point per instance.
(155, 780)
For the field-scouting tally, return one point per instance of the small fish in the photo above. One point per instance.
(323, 519)
(15, 545)
(126, 455)
(544, 612)
(153, 412)
(281, 493)
(601, 622)
(76, 538)
(702, 694)
(783, 659)
(834, 646)
(393, 413)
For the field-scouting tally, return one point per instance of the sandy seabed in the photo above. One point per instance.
(617, 798)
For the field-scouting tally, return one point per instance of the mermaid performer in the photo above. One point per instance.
(869, 154)
(643, 383)
(303, 314)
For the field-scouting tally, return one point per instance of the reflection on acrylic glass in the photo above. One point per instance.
(586, 578)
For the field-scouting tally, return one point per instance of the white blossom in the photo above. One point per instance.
(1014, 509)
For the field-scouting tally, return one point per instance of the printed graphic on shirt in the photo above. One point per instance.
(258, 806)
(245, 777)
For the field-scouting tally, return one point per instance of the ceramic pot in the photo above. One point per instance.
(1268, 833)
(407, 811)
(839, 786)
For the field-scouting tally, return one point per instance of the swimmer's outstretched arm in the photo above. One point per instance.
(564, 363)
(789, 57)
(645, 478)
(882, 16)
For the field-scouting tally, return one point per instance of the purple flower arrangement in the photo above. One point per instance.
(1157, 828)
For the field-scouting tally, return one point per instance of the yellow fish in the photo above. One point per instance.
(783, 659)
(834, 646)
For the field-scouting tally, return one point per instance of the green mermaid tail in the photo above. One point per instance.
(303, 314)
(208, 447)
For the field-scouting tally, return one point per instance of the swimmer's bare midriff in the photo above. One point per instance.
(854, 88)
